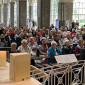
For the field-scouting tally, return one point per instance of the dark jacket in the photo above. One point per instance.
(67, 50)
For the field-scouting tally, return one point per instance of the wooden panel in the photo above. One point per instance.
(2, 58)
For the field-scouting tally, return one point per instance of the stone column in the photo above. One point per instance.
(0, 12)
(21, 13)
(43, 11)
(5, 13)
(30, 9)
(12, 13)
(65, 10)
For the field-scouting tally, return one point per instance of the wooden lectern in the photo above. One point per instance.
(19, 66)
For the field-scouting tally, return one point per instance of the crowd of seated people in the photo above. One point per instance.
(47, 42)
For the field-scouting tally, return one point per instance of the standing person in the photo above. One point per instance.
(73, 24)
(51, 27)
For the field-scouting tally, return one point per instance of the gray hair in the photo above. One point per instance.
(13, 44)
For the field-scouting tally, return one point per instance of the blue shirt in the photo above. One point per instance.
(51, 51)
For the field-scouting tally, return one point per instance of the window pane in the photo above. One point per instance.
(53, 11)
(79, 11)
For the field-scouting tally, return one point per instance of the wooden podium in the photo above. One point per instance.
(19, 66)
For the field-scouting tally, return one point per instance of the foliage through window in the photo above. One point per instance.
(79, 11)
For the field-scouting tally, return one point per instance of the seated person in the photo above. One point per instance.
(53, 51)
(56, 39)
(69, 38)
(33, 45)
(78, 47)
(13, 47)
(43, 48)
(67, 48)
(24, 48)
(76, 38)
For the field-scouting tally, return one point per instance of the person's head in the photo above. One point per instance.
(43, 41)
(77, 35)
(22, 34)
(30, 34)
(24, 43)
(59, 32)
(25, 32)
(31, 39)
(67, 42)
(50, 33)
(84, 29)
(43, 34)
(8, 33)
(53, 44)
(73, 30)
(3, 31)
(56, 37)
(13, 45)
(52, 25)
(80, 42)
(61, 28)
(66, 29)
(84, 41)
(43, 28)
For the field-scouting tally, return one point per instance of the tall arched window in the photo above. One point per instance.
(79, 11)
(53, 11)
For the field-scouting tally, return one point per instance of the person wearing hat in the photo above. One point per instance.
(53, 51)
(67, 48)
